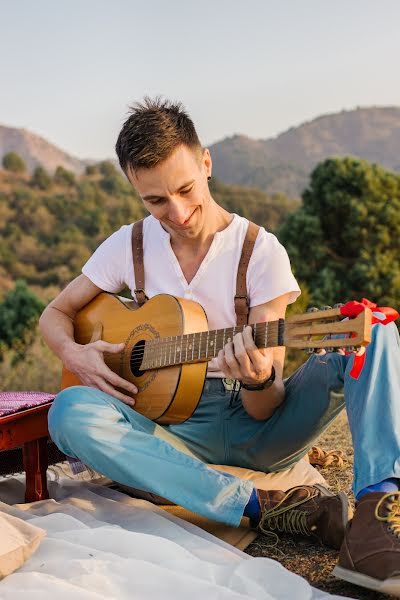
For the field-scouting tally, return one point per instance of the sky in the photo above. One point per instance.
(69, 69)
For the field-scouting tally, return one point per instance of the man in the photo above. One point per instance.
(192, 249)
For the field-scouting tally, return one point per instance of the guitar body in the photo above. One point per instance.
(166, 395)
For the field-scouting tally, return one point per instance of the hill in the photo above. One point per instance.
(283, 164)
(276, 165)
(36, 151)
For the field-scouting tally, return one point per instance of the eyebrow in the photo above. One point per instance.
(185, 185)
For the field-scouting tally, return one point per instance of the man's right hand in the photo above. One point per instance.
(87, 362)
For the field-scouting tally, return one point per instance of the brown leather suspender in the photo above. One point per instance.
(138, 263)
(242, 304)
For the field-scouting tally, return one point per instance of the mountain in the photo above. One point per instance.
(35, 151)
(283, 164)
(275, 165)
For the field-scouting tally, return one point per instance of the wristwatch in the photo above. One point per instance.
(261, 386)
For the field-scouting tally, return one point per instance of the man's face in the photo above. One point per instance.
(176, 192)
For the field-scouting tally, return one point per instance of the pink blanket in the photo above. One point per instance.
(12, 402)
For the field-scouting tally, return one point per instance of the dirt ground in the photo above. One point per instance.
(304, 557)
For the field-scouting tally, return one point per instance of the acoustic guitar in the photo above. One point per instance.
(168, 345)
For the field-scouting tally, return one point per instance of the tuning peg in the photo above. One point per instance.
(338, 305)
(330, 349)
(350, 348)
(327, 307)
(312, 309)
(309, 350)
(314, 351)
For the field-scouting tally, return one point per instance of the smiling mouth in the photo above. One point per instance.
(187, 222)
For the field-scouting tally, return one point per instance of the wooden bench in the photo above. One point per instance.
(27, 428)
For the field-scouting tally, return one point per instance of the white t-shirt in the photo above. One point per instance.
(214, 286)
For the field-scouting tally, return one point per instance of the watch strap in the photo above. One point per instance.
(261, 386)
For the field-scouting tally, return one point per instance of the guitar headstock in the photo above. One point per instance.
(308, 330)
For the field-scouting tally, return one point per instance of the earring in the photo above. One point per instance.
(208, 178)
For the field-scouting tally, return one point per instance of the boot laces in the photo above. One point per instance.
(288, 518)
(390, 504)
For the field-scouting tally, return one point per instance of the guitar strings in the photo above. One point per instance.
(166, 345)
(163, 347)
(138, 362)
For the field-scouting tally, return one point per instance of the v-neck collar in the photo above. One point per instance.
(215, 244)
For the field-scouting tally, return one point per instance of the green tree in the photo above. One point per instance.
(13, 162)
(344, 240)
(91, 170)
(107, 168)
(19, 312)
(41, 179)
(64, 177)
(114, 184)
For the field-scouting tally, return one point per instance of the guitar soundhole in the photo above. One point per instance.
(136, 359)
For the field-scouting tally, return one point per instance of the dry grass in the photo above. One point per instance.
(39, 370)
(300, 555)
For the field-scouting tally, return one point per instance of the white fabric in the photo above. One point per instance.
(269, 273)
(104, 545)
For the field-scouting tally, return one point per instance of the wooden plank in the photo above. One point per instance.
(23, 426)
(28, 428)
(35, 465)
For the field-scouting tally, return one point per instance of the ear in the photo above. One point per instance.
(207, 162)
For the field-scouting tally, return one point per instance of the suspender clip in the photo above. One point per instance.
(141, 297)
(243, 298)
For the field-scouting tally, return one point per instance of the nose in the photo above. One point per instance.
(178, 212)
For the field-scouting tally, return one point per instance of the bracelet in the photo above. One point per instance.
(261, 386)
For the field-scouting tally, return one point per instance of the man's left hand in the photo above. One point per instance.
(241, 359)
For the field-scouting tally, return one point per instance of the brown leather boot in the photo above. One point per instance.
(306, 510)
(370, 553)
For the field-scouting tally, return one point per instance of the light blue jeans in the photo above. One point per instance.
(170, 461)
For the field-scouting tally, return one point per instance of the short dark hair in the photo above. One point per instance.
(154, 129)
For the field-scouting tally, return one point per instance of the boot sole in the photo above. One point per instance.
(387, 586)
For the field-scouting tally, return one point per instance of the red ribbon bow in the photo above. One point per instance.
(352, 309)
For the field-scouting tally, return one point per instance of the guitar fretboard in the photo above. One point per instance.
(205, 345)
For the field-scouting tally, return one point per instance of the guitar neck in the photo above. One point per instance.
(205, 345)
